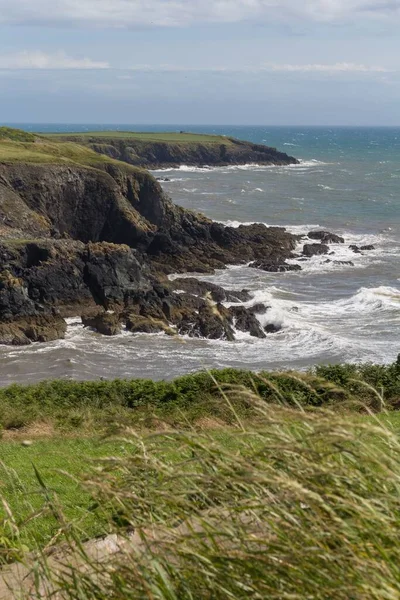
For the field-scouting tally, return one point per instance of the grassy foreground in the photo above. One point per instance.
(289, 490)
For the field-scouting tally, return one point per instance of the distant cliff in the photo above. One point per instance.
(154, 151)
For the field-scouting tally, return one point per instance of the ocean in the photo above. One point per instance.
(348, 182)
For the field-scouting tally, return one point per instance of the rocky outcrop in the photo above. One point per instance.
(325, 237)
(273, 267)
(98, 240)
(170, 154)
(104, 322)
(217, 293)
(315, 249)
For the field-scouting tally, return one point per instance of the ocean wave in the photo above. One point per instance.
(303, 165)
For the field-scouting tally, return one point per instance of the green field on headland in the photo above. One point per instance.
(22, 147)
(169, 137)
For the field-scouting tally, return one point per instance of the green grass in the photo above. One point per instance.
(20, 147)
(295, 494)
(305, 505)
(91, 406)
(16, 135)
(25, 497)
(146, 137)
(53, 153)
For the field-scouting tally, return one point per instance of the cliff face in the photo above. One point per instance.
(159, 154)
(101, 236)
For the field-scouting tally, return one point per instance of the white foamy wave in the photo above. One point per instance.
(190, 190)
(381, 298)
(301, 166)
(326, 187)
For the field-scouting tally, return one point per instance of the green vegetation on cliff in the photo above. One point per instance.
(20, 147)
(169, 137)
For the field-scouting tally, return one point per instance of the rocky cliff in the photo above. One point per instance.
(84, 234)
(183, 149)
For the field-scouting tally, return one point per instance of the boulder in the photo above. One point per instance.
(246, 321)
(271, 267)
(326, 237)
(355, 248)
(210, 323)
(368, 247)
(315, 249)
(104, 323)
(272, 328)
(258, 309)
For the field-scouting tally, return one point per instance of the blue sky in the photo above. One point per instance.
(284, 62)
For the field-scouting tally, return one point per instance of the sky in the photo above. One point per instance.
(238, 62)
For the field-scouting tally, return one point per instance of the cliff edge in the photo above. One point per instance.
(170, 150)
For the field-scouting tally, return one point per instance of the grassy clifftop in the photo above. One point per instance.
(159, 150)
(18, 146)
(168, 137)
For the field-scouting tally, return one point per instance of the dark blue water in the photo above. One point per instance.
(348, 182)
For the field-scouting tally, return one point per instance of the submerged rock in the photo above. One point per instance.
(315, 249)
(326, 237)
(265, 265)
(272, 328)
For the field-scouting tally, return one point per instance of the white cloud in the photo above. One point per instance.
(343, 67)
(41, 60)
(131, 13)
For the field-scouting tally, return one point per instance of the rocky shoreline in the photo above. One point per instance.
(100, 241)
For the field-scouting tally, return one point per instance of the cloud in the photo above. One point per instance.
(343, 67)
(41, 60)
(134, 13)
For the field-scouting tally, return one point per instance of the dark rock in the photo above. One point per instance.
(244, 320)
(264, 265)
(368, 247)
(204, 288)
(272, 328)
(315, 249)
(210, 323)
(355, 249)
(344, 262)
(258, 309)
(326, 237)
(104, 323)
